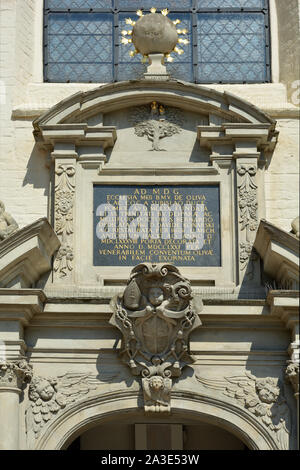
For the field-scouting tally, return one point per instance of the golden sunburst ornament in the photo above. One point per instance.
(154, 34)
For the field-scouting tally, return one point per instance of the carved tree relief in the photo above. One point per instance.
(156, 123)
(155, 316)
(64, 201)
(263, 397)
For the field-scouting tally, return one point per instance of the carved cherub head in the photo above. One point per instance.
(44, 389)
(155, 296)
(267, 390)
(156, 383)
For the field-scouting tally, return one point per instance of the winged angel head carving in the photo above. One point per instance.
(156, 122)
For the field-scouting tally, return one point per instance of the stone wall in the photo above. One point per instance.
(24, 172)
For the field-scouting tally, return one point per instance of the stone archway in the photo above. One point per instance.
(85, 415)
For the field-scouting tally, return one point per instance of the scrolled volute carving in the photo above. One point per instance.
(15, 374)
(155, 314)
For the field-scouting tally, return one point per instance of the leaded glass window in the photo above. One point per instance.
(229, 40)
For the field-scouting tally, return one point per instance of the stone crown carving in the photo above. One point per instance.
(155, 315)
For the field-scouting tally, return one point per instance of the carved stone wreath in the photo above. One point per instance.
(155, 316)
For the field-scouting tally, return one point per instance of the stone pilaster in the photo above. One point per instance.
(13, 376)
(65, 158)
(246, 156)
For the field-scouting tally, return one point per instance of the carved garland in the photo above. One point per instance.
(64, 201)
(247, 192)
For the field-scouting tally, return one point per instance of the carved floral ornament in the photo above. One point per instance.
(155, 315)
(263, 397)
(64, 202)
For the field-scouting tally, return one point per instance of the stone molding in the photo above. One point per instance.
(59, 432)
(279, 251)
(176, 93)
(79, 134)
(26, 255)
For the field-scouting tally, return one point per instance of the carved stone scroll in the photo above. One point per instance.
(63, 224)
(155, 315)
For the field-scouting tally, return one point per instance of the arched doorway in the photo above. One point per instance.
(192, 414)
(157, 436)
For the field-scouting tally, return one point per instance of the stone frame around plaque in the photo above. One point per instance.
(88, 274)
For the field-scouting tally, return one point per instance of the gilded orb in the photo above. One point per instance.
(154, 34)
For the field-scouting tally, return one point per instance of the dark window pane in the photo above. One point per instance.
(80, 47)
(54, 4)
(231, 47)
(230, 4)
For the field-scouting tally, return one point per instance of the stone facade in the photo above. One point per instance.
(210, 350)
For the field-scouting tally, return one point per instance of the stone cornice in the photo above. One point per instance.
(285, 305)
(263, 136)
(79, 134)
(115, 96)
(21, 304)
(279, 251)
(26, 255)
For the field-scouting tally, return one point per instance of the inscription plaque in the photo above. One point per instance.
(157, 224)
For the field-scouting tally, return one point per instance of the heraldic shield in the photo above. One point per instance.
(156, 313)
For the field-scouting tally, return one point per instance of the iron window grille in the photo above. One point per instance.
(229, 40)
